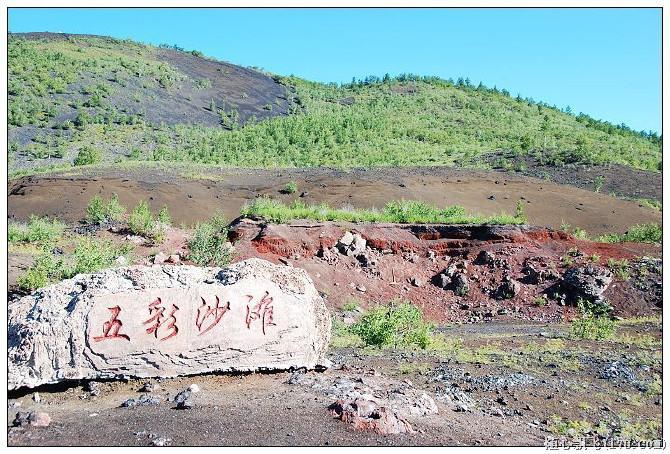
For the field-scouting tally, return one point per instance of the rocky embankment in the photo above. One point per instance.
(460, 273)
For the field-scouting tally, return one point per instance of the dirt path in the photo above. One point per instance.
(65, 194)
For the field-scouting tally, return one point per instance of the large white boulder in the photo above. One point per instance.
(165, 321)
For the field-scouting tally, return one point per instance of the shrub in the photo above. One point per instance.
(646, 233)
(593, 322)
(141, 220)
(164, 216)
(519, 211)
(95, 211)
(396, 326)
(43, 272)
(86, 156)
(291, 187)
(599, 183)
(38, 229)
(114, 209)
(208, 246)
(91, 255)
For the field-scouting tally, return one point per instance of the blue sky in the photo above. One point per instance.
(604, 62)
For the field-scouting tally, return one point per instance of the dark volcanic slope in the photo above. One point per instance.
(158, 85)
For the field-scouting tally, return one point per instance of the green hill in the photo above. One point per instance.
(82, 99)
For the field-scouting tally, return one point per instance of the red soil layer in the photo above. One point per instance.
(402, 254)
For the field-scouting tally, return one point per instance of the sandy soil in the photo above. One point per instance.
(65, 194)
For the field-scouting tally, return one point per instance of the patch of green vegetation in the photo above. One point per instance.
(142, 222)
(115, 210)
(599, 183)
(593, 322)
(645, 233)
(44, 271)
(87, 156)
(570, 428)
(89, 256)
(95, 211)
(164, 216)
(208, 245)
(621, 268)
(350, 306)
(402, 211)
(413, 367)
(394, 325)
(342, 336)
(38, 229)
(291, 187)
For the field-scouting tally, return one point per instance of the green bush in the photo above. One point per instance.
(401, 325)
(164, 216)
(91, 255)
(593, 323)
(45, 271)
(95, 211)
(646, 233)
(291, 187)
(141, 220)
(401, 211)
(86, 156)
(115, 210)
(207, 246)
(38, 229)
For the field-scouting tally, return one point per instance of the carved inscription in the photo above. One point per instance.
(110, 329)
(215, 313)
(164, 319)
(262, 311)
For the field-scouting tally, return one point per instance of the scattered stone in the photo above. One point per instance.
(32, 418)
(416, 281)
(502, 311)
(93, 388)
(304, 194)
(462, 408)
(160, 258)
(161, 441)
(36, 398)
(460, 284)
(509, 288)
(184, 400)
(14, 403)
(588, 282)
(443, 281)
(71, 330)
(502, 401)
(361, 288)
(120, 260)
(193, 388)
(618, 370)
(147, 387)
(365, 415)
(346, 240)
(174, 259)
(143, 400)
(497, 412)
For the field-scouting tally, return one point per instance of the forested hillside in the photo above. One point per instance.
(78, 100)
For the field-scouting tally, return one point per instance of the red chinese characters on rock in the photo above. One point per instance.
(111, 328)
(262, 311)
(156, 309)
(205, 312)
